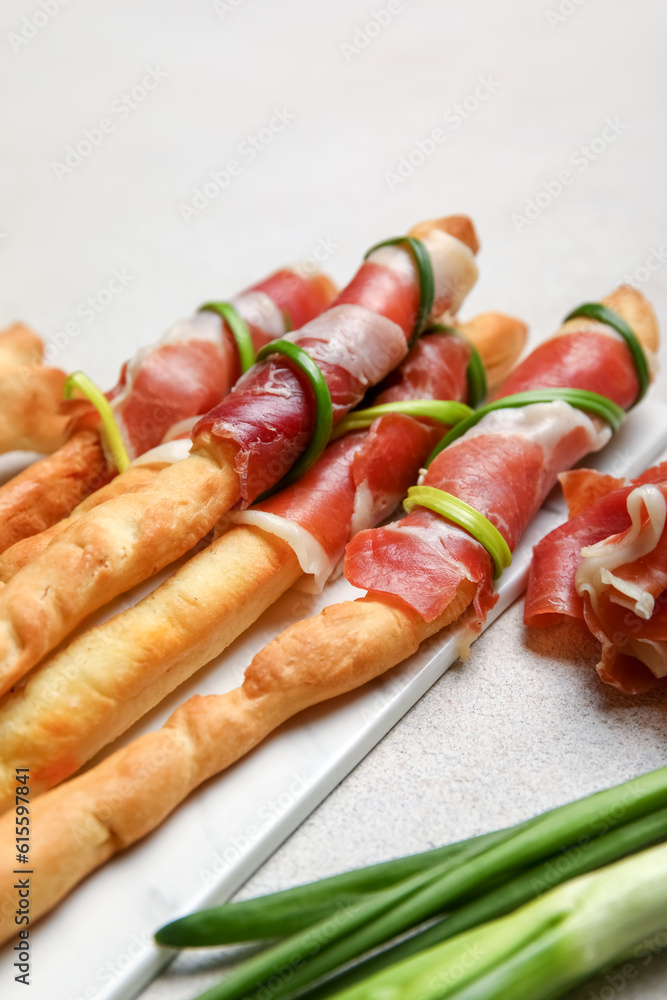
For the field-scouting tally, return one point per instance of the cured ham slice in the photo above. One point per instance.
(607, 568)
(196, 363)
(503, 467)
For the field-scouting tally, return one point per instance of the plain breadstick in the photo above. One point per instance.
(78, 826)
(30, 502)
(29, 401)
(18, 555)
(20, 346)
(81, 699)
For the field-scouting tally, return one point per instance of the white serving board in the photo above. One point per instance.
(97, 945)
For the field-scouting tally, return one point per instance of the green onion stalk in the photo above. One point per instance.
(544, 949)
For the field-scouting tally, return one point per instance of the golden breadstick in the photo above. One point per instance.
(43, 494)
(83, 697)
(20, 346)
(123, 541)
(29, 401)
(16, 556)
(78, 826)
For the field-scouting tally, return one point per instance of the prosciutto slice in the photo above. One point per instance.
(361, 477)
(607, 568)
(196, 363)
(269, 415)
(503, 467)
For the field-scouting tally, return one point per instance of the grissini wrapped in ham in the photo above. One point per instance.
(606, 567)
(239, 449)
(129, 793)
(181, 376)
(79, 700)
(503, 467)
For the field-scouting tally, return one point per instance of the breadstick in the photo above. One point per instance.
(29, 401)
(239, 449)
(38, 496)
(84, 696)
(20, 346)
(81, 824)
(30, 545)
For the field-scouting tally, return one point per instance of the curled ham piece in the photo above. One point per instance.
(269, 416)
(196, 363)
(361, 477)
(607, 568)
(504, 468)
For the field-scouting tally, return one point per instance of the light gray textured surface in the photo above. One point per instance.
(524, 725)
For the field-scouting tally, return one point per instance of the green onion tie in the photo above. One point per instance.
(239, 330)
(79, 380)
(422, 260)
(457, 510)
(444, 411)
(602, 313)
(323, 408)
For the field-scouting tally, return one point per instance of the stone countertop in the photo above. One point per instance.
(216, 141)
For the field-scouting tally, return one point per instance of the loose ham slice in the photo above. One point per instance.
(196, 363)
(360, 479)
(503, 467)
(269, 416)
(607, 568)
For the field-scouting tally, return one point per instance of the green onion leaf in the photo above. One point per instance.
(476, 373)
(581, 399)
(444, 411)
(323, 408)
(451, 507)
(79, 380)
(422, 260)
(239, 330)
(602, 313)
(282, 913)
